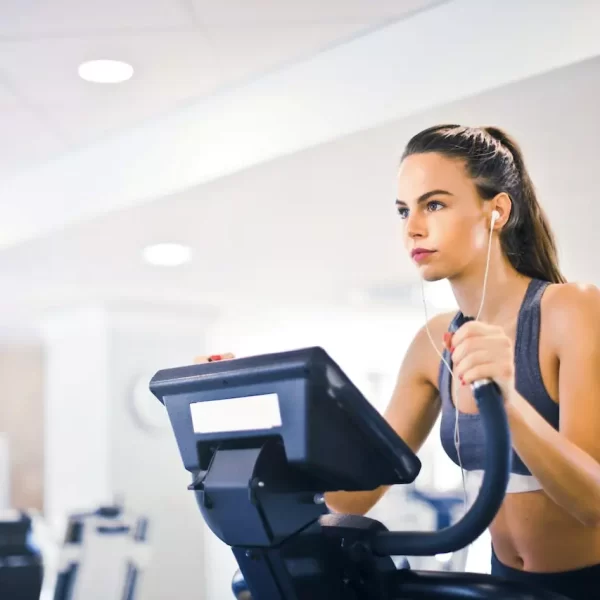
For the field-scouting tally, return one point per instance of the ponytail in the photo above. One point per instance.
(527, 239)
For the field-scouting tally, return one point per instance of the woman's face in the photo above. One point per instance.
(443, 215)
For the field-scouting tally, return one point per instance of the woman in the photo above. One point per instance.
(536, 336)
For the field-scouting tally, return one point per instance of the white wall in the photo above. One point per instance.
(4, 473)
(146, 468)
(22, 423)
(76, 381)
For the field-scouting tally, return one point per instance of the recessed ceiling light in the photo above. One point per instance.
(167, 254)
(105, 71)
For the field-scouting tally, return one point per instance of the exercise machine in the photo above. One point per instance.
(102, 555)
(264, 437)
(21, 565)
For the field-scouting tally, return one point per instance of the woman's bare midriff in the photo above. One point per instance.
(532, 533)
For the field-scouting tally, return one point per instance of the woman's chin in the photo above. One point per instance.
(431, 275)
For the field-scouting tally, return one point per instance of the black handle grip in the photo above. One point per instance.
(477, 519)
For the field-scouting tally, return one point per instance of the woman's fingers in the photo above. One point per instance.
(213, 357)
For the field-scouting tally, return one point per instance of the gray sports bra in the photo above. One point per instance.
(528, 382)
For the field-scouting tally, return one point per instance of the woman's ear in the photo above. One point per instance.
(502, 205)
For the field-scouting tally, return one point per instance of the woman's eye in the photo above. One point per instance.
(434, 206)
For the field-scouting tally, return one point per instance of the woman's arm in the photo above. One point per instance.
(567, 462)
(412, 411)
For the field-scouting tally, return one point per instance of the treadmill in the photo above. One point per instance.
(264, 437)
(21, 564)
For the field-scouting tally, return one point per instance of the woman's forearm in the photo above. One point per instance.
(354, 503)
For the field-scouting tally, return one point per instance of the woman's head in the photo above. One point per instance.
(451, 178)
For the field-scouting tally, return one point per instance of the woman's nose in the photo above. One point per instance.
(415, 226)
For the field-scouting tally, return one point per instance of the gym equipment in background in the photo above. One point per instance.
(21, 567)
(102, 556)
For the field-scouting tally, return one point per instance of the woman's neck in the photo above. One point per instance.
(504, 293)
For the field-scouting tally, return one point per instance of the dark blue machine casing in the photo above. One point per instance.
(258, 487)
(311, 390)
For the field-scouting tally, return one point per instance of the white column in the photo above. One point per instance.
(76, 405)
(108, 438)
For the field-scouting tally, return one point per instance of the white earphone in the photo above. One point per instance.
(494, 217)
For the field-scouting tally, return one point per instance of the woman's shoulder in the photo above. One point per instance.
(434, 329)
(571, 309)
(441, 323)
(428, 344)
(572, 297)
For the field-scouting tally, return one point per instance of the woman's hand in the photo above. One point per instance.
(213, 357)
(483, 351)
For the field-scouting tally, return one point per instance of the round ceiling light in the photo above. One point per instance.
(105, 71)
(167, 254)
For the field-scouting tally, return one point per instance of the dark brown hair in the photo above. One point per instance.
(495, 162)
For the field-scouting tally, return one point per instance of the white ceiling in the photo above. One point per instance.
(316, 227)
(285, 226)
(379, 76)
(182, 50)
